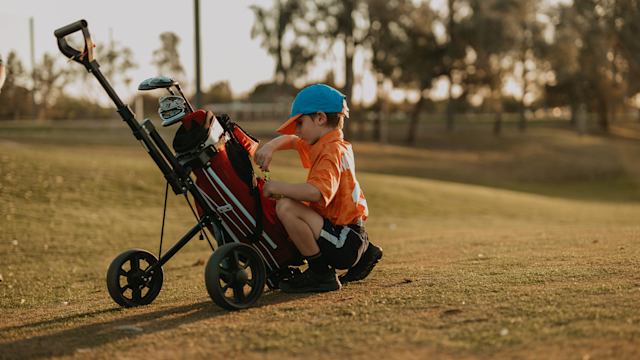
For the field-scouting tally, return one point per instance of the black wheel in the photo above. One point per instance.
(235, 276)
(126, 282)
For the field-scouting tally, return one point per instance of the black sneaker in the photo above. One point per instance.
(309, 281)
(367, 262)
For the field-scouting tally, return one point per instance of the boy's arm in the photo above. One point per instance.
(300, 191)
(263, 156)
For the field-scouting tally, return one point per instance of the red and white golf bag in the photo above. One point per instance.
(230, 187)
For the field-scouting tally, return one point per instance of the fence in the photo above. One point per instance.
(251, 111)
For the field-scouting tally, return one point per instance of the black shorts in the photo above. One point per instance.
(342, 246)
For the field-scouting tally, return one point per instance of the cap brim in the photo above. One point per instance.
(289, 127)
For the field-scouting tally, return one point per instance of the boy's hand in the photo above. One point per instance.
(267, 190)
(263, 156)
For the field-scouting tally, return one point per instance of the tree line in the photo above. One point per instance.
(43, 92)
(583, 54)
(496, 56)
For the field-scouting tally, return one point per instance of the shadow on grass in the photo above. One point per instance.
(87, 337)
(68, 342)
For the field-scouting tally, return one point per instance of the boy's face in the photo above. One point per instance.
(310, 128)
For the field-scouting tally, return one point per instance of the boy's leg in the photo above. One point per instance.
(304, 225)
(367, 262)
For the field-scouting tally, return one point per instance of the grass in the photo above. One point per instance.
(523, 247)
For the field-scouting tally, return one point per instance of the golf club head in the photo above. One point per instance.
(145, 85)
(172, 109)
(162, 82)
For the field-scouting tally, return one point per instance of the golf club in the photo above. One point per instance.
(163, 82)
(146, 85)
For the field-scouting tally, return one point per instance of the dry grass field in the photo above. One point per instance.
(519, 247)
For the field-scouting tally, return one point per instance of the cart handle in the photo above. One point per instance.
(86, 56)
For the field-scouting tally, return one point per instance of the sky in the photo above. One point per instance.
(228, 52)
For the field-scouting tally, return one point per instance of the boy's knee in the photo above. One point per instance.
(284, 206)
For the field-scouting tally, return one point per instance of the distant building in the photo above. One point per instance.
(267, 101)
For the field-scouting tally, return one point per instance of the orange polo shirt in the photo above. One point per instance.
(332, 170)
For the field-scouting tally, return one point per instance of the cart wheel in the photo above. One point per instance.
(126, 282)
(235, 276)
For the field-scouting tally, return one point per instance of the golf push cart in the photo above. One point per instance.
(253, 248)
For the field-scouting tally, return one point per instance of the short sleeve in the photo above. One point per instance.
(326, 177)
(303, 149)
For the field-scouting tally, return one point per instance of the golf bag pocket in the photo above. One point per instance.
(247, 141)
(198, 130)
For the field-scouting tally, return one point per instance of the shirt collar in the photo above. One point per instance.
(316, 149)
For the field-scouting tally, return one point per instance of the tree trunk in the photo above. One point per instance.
(602, 114)
(450, 114)
(579, 110)
(362, 131)
(523, 119)
(522, 124)
(376, 127)
(581, 119)
(348, 85)
(450, 119)
(612, 110)
(497, 123)
(384, 127)
(574, 113)
(496, 98)
(413, 124)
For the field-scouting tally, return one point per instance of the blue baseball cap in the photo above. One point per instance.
(314, 98)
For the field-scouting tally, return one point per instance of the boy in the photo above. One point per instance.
(329, 231)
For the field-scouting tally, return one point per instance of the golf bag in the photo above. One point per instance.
(229, 185)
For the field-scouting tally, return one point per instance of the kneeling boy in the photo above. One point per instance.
(330, 229)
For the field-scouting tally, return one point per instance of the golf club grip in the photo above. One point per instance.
(64, 31)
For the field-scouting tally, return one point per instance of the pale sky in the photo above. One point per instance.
(228, 53)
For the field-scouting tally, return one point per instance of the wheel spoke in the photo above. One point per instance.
(125, 288)
(121, 272)
(225, 272)
(247, 264)
(236, 261)
(225, 288)
(238, 292)
(137, 293)
(135, 264)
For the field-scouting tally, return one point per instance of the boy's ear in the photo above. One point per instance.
(322, 118)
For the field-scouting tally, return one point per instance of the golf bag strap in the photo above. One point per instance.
(240, 161)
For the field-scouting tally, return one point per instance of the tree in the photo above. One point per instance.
(529, 48)
(405, 49)
(51, 81)
(288, 35)
(167, 58)
(116, 61)
(598, 58)
(347, 21)
(622, 28)
(491, 39)
(15, 98)
(219, 92)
